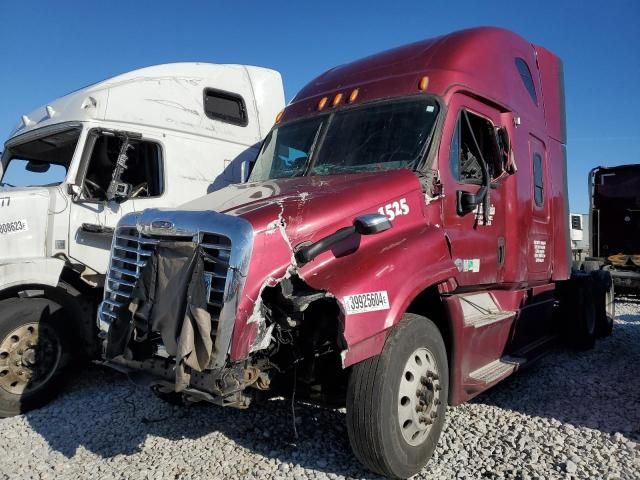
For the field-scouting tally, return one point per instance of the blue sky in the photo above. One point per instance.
(50, 48)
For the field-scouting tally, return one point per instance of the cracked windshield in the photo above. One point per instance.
(383, 136)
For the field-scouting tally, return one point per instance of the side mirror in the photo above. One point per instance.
(504, 145)
(467, 202)
(37, 167)
(245, 170)
(364, 225)
(371, 223)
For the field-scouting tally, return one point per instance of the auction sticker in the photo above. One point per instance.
(15, 226)
(366, 302)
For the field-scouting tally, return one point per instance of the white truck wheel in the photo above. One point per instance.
(33, 351)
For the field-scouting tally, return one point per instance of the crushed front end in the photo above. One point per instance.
(170, 302)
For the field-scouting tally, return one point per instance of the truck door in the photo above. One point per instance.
(477, 237)
(94, 216)
(540, 248)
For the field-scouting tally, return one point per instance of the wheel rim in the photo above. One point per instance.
(29, 357)
(418, 396)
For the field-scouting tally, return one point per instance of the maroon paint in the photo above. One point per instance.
(473, 69)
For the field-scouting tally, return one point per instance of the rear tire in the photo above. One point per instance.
(33, 352)
(396, 401)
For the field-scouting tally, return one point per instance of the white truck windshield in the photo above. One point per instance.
(382, 136)
(40, 162)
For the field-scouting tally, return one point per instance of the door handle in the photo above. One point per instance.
(98, 229)
(501, 252)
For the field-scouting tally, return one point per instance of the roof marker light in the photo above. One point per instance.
(322, 103)
(26, 121)
(336, 100)
(424, 83)
(279, 116)
(354, 95)
(50, 111)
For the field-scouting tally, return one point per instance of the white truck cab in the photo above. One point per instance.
(155, 137)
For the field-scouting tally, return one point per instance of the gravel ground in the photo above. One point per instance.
(569, 416)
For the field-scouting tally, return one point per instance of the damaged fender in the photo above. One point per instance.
(365, 326)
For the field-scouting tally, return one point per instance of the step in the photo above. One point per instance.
(484, 319)
(497, 369)
(480, 310)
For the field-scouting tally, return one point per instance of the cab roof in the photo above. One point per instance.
(479, 60)
(170, 96)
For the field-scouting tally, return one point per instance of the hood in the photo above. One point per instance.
(23, 222)
(308, 207)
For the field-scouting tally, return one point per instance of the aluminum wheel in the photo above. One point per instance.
(29, 357)
(418, 396)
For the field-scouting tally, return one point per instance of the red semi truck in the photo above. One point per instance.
(402, 245)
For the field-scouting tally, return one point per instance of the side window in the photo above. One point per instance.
(225, 106)
(143, 174)
(474, 139)
(527, 79)
(538, 180)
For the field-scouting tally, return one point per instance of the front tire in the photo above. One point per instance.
(33, 352)
(396, 401)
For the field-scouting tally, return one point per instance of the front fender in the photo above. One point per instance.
(402, 267)
(30, 271)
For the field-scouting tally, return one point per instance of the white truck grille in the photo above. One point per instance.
(130, 252)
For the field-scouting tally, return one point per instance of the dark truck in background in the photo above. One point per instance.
(615, 224)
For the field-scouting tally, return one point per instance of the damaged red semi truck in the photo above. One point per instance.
(402, 244)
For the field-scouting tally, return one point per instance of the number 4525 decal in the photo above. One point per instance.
(395, 209)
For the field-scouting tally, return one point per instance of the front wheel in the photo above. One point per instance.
(33, 350)
(396, 401)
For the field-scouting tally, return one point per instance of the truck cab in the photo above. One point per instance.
(615, 224)
(150, 138)
(402, 244)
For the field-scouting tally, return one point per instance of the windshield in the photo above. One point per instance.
(40, 162)
(382, 136)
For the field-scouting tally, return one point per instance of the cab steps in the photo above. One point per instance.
(480, 310)
(498, 369)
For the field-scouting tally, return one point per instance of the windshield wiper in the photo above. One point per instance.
(4, 184)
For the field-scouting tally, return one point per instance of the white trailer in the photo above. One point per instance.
(154, 137)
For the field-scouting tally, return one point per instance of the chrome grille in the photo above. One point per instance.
(216, 265)
(227, 266)
(130, 252)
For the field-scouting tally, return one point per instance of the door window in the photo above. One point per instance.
(538, 180)
(142, 175)
(474, 139)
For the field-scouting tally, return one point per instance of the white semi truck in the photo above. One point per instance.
(154, 137)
